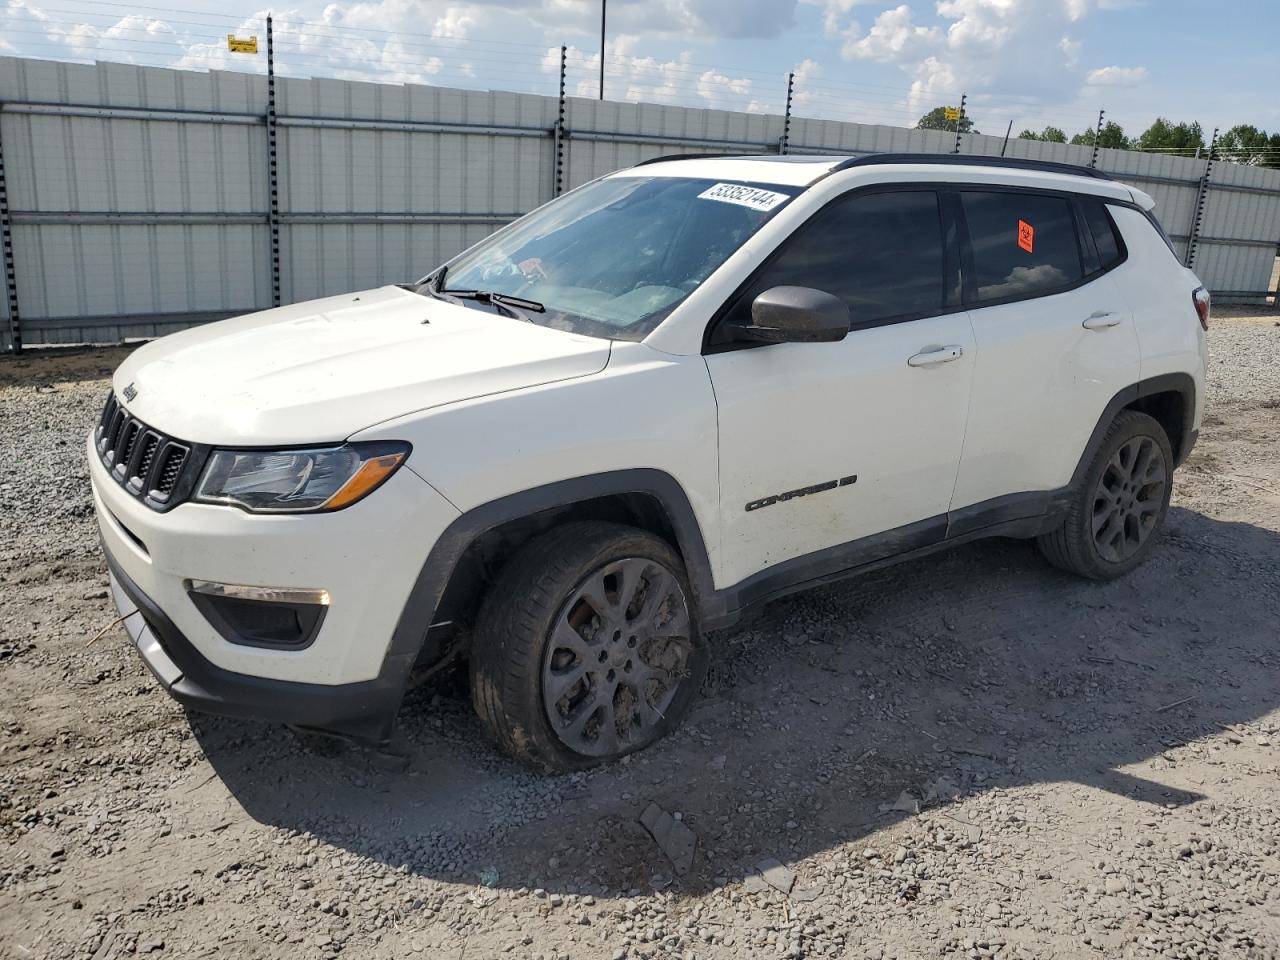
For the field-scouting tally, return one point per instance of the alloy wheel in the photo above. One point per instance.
(617, 654)
(1128, 499)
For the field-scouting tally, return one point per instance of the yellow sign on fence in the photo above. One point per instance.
(236, 45)
(951, 113)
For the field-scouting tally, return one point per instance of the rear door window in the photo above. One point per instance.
(1023, 244)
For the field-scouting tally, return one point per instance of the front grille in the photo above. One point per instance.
(150, 465)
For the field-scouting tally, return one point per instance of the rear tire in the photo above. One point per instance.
(586, 647)
(1118, 511)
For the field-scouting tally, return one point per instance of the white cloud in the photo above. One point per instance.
(1116, 76)
(699, 19)
(835, 15)
(805, 71)
(893, 37)
(651, 80)
(1070, 48)
(1021, 53)
(131, 39)
(936, 82)
(86, 40)
(456, 22)
(713, 83)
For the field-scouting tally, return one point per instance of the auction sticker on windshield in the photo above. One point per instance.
(744, 196)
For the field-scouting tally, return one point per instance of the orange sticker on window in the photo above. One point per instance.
(1026, 236)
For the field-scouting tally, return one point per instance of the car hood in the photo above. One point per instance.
(320, 371)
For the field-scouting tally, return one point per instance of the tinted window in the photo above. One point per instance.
(881, 253)
(1104, 233)
(1023, 243)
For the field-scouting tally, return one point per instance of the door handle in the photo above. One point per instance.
(931, 358)
(1101, 320)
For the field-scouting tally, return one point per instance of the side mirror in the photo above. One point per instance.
(795, 315)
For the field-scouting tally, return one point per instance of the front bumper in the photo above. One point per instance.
(369, 559)
(365, 711)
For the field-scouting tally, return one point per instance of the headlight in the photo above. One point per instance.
(298, 481)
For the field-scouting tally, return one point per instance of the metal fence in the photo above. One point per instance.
(138, 200)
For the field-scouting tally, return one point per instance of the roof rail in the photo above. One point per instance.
(695, 156)
(943, 159)
(969, 160)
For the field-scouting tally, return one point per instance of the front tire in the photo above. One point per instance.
(586, 647)
(1116, 514)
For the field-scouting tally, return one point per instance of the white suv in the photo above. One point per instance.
(669, 396)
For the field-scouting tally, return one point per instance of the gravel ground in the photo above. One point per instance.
(971, 755)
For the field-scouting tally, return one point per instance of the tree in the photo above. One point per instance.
(1112, 137)
(936, 120)
(1245, 143)
(1166, 137)
(1048, 134)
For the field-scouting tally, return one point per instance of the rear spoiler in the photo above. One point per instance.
(1141, 198)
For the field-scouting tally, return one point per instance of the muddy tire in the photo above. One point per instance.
(586, 647)
(1118, 511)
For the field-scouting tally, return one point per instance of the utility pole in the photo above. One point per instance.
(603, 5)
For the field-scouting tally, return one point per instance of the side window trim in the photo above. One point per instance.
(948, 240)
(1089, 259)
(968, 273)
(954, 269)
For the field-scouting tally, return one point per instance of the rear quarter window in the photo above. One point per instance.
(1105, 236)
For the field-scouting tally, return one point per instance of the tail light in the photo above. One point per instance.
(1200, 297)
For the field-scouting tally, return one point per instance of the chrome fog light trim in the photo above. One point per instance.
(266, 594)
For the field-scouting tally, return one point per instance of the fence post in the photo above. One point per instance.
(10, 274)
(1275, 296)
(558, 186)
(273, 183)
(959, 121)
(1093, 163)
(786, 117)
(1201, 199)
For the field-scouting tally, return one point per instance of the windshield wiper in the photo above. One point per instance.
(430, 287)
(513, 306)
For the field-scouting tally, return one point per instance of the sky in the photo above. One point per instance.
(1029, 62)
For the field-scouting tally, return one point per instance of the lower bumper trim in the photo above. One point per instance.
(364, 711)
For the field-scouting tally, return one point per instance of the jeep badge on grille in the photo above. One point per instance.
(130, 392)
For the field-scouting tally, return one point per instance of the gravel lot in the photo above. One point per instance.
(971, 755)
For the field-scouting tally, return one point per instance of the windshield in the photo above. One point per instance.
(614, 257)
